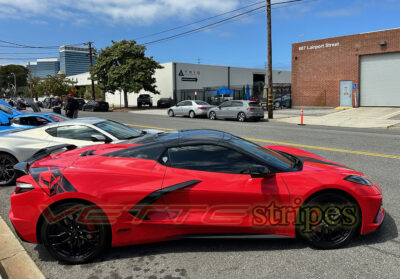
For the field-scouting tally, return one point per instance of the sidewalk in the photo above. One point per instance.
(364, 117)
(15, 263)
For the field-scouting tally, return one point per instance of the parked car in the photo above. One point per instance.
(283, 101)
(95, 106)
(144, 100)
(164, 103)
(19, 144)
(188, 184)
(240, 110)
(191, 108)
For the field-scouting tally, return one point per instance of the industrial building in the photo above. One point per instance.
(355, 70)
(181, 81)
(45, 67)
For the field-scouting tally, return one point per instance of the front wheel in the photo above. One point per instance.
(328, 221)
(212, 116)
(241, 117)
(8, 174)
(192, 114)
(171, 113)
(73, 239)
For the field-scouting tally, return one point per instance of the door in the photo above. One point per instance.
(223, 110)
(218, 194)
(178, 108)
(346, 93)
(379, 80)
(187, 105)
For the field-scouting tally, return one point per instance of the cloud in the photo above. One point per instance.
(127, 11)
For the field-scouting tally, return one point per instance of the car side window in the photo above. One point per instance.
(226, 105)
(180, 104)
(76, 132)
(210, 158)
(188, 103)
(237, 104)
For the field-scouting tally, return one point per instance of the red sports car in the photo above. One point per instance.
(193, 183)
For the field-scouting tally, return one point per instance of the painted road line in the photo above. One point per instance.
(296, 145)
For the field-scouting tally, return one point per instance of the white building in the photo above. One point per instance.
(181, 81)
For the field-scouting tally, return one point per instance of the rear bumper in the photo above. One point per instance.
(255, 114)
(201, 112)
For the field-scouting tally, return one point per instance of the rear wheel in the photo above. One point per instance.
(192, 114)
(8, 174)
(277, 105)
(171, 113)
(212, 116)
(328, 221)
(70, 239)
(241, 117)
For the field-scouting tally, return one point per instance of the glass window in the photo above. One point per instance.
(237, 104)
(76, 132)
(118, 130)
(254, 104)
(273, 158)
(180, 104)
(57, 117)
(201, 103)
(226, 104)
(210, 158)
(187, 103)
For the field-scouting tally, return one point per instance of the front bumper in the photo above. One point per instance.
(373, 213)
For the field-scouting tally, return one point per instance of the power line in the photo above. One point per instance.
(17, 45)
(218, 23)
(24, 53)
(198, 21)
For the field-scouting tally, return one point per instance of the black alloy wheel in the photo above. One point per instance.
(8, 174)
(241, 117)
(212, 116)
(71, 241)
(334, 233)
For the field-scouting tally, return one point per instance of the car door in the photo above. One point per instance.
(187, 105)
(179, 108)
(234, 109)
(223, 110)
(214, 191)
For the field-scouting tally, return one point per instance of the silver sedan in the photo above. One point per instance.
(235, 109)
(191, 108)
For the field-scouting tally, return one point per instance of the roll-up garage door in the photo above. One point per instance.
(380, 80)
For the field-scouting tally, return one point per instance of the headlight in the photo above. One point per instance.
(23, 188)
(359, 180)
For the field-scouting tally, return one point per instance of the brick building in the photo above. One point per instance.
(361, 69)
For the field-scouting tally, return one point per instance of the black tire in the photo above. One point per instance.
(171, 113)
(151, 105)
(241, 117)
(92, 109)
(192, 114)
(8, 174)
(277, 105)
(323, 234)
(212, 115)
(71, 241)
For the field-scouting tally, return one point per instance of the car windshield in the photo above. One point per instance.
(201, 103)
(57, 117)
(277, 160)
(118, 130)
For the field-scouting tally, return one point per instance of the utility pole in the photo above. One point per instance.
(30, 80)
(91, 65)
(15, 84)
(269, 100)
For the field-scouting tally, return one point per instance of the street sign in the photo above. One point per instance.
(189, 79)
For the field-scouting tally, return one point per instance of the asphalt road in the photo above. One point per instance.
(376, 255)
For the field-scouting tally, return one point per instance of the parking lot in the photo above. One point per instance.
(371, 256)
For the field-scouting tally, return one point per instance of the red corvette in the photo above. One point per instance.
(195, 183)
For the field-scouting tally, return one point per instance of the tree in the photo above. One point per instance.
(52, 85)
(124, 67)
(7, 78)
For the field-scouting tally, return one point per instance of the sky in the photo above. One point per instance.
(241, 43)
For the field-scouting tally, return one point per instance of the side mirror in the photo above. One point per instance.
(98, 138)
(258, 171)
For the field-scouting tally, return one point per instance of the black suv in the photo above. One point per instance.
(144, 99)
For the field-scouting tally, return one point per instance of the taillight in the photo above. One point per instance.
(251, 108)
(23, 188)
(202, 107)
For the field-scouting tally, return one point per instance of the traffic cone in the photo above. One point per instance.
(302, 117)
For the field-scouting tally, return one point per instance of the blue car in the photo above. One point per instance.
(11, 118)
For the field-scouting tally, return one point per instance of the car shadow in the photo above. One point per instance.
(387, 232)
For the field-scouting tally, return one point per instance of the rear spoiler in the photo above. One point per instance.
(42, 153)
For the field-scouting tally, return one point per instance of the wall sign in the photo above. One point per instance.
(321, 46)
(189, 79)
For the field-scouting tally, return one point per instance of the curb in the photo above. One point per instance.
(15, 262)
